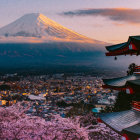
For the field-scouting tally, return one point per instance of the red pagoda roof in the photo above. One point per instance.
(125, 83)
(131, 47)
(123, 122)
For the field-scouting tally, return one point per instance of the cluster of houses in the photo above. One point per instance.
(45, 91)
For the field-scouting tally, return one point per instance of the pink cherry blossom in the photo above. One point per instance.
(15, 124)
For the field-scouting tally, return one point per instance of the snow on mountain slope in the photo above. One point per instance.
(36, 27)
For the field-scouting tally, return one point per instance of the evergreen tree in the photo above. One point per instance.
(123, 102)
(131, 69)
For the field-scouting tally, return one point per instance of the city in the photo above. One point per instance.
(47, 92)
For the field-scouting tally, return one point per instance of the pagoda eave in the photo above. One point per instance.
(133, 130)
(122, 53)
(124, 122)
(131, 47)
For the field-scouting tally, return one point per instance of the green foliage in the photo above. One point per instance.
(80, 109)
(131, 69)
(123, 102)
(107, 109)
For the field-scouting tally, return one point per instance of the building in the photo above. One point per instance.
(131, 47)
(126, 123)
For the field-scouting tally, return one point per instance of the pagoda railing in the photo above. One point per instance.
(136, 105)
(137, 69)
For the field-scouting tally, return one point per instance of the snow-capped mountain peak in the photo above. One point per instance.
(38, 27)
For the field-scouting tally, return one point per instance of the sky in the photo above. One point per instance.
(110, 21)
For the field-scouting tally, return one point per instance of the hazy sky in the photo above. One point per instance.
(107, 20)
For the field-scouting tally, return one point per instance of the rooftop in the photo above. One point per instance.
(123, 121)
(130, 47)
(121, 81)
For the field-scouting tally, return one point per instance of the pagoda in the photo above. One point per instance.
(126, 123)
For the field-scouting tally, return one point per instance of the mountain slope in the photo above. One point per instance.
(35, 41)
(38, 28)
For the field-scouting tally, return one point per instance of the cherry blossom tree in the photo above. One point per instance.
(97, 131)
(15, 124)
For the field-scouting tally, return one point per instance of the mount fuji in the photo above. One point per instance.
(35, 41)
(36, 27)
